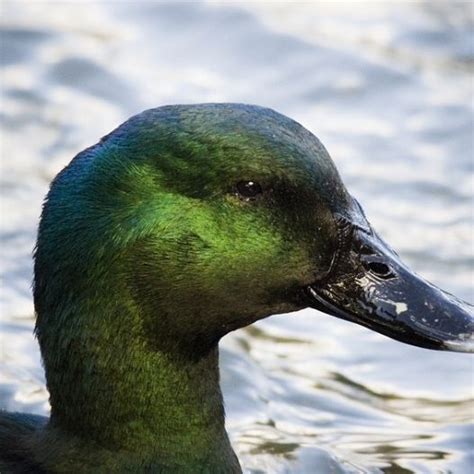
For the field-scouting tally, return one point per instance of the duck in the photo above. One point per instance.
(183, 224)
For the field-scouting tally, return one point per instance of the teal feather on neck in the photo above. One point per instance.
(143, 255)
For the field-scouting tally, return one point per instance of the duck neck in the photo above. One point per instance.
(165, 409)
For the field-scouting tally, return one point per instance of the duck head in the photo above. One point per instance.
(209, 217)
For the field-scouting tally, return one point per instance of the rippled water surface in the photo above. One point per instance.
(388, 88)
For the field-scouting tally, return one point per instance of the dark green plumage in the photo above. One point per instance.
(146, 256)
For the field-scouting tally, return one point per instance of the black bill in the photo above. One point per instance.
(369, 285)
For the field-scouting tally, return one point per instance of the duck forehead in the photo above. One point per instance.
(253, 136)
(213, 145)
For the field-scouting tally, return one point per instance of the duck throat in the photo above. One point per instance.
(111, 391)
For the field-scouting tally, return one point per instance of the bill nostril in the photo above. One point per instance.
(380, 269)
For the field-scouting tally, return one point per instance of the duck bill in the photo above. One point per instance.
(369, 285)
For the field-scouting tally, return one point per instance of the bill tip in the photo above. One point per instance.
(464, 343)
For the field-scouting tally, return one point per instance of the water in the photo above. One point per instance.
(386, 87)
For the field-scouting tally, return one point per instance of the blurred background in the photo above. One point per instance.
(387, 87)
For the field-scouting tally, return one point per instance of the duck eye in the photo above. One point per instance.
(248, 189)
